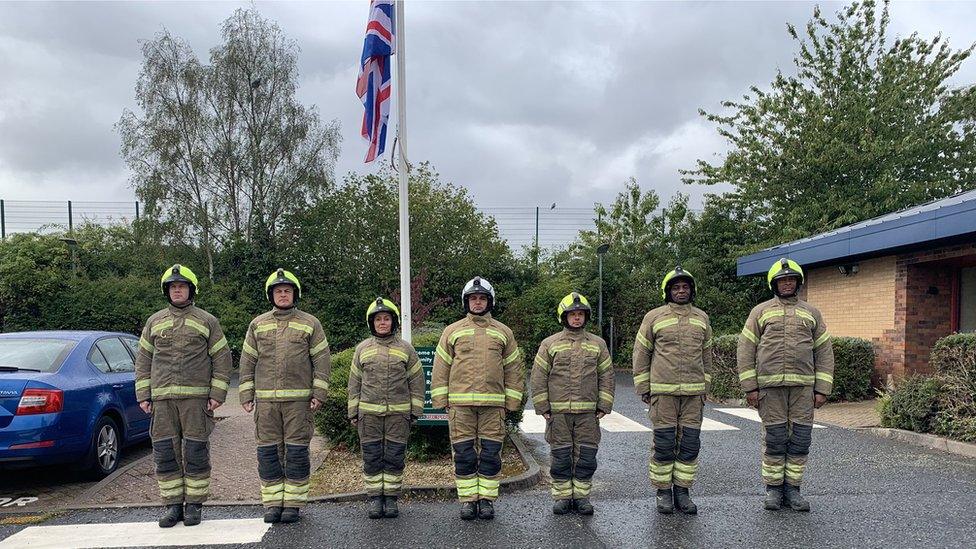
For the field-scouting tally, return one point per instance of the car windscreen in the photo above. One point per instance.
(41, 354)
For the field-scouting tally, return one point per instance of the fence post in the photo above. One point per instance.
(536, 252)
(3, 222)
(137, 210)
(71, 226)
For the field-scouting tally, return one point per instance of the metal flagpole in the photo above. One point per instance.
(402, 167)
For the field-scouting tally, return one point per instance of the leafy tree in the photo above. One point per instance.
(866, 125)
(224, 151)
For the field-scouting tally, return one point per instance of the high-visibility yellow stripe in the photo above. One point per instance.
(559, 347)
(772, 313)
(747, 374)
(541, 362)
(218, 384)
(641, 378)
(581, 488)
(788, 378)
(448, 359)
(168, 484)
(803, 314)
(377, 408)
(301, 327)
(368, 353)
(318, 348)
(661, 324)
(605, 365)
(265, 327)
(282, 393)
(540, 397)
(399, 354)
(156, 328)
(415, 369)
(353, 403)
(644, 341)
(699, 323)
(459, 334)
(497, 335)
(676, 387)
(512, 393)
(250, 350)
(246, 386)
(218, 346)
(475, 397)
(142, 384)
(572, 406)
(320, 383)
(747, 333)
(354, 368)
(708, 343)
(590, 347)
(198, 327)
(606, 397)
(824, 376)
(821, 340)
(511, 358)
(418, 402)
(146, 345)
(708, 378)
(438, 391)
(179, 390)
(273, 490)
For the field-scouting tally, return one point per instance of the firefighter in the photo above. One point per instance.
(285, 367)
(573, 388)
(672, 361)
(182, 371)
(786, 368)
(477, 377)
(386, 395)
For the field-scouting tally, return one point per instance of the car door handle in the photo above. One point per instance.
(118, 386)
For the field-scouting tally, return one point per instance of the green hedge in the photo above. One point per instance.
(912, 406)
(725, 377)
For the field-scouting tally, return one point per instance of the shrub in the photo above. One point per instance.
(913, 405)
(953, 359)
(725, 377)
(853, 367)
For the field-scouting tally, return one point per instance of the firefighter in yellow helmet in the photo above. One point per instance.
(386, 395)
(182, 371)
(478, 374)
(786, 368)
(573, 388)
(285, 367)
(672, 364)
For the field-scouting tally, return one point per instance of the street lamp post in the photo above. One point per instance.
(600, 252)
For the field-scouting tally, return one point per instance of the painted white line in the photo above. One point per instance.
(749, 413)
(614, 422)
(129, 534)
(712, 425)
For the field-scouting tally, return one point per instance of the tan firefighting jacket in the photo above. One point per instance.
(572, 373)
(385, 378)
(673, 351)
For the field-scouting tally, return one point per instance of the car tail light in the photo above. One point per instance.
(40, 401)
(29, 445)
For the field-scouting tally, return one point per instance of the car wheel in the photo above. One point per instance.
(103, 457)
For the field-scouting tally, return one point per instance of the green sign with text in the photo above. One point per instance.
(432, 416)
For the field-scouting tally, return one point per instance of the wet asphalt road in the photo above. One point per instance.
(865, 492)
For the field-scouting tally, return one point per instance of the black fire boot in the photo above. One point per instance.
(192, 514)
(376, 507)
(289, 514)
(665, 501)
(486, 510)
(390, 509)
(469, 510)
(682, 500)
(794, 499)
(774, 498)
(583, 506)
(173, 514)
(562, 506)
(272, 515)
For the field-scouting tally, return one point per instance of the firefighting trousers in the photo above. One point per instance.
(283, 431)
(573, 441)
(677, 439)
(787, 421)
(477, 433)
(180, 431)
(383, 441)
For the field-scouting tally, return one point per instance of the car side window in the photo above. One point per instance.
(119, 359)
(96, 358)
(133, 345)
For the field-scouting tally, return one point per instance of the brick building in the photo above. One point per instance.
(902, 280)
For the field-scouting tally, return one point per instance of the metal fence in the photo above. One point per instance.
(521, 227)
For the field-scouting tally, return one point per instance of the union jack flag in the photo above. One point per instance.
(373, 86)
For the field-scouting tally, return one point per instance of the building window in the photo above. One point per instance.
(967, 299)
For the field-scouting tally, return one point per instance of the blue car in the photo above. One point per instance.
(68, 397)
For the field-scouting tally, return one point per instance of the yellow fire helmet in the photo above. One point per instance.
(676, 274)
(782, 269)
(178, 273)
(573, 302)
(282, 276)
(382, 305)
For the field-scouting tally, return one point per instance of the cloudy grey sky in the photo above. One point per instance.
(524, 103)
